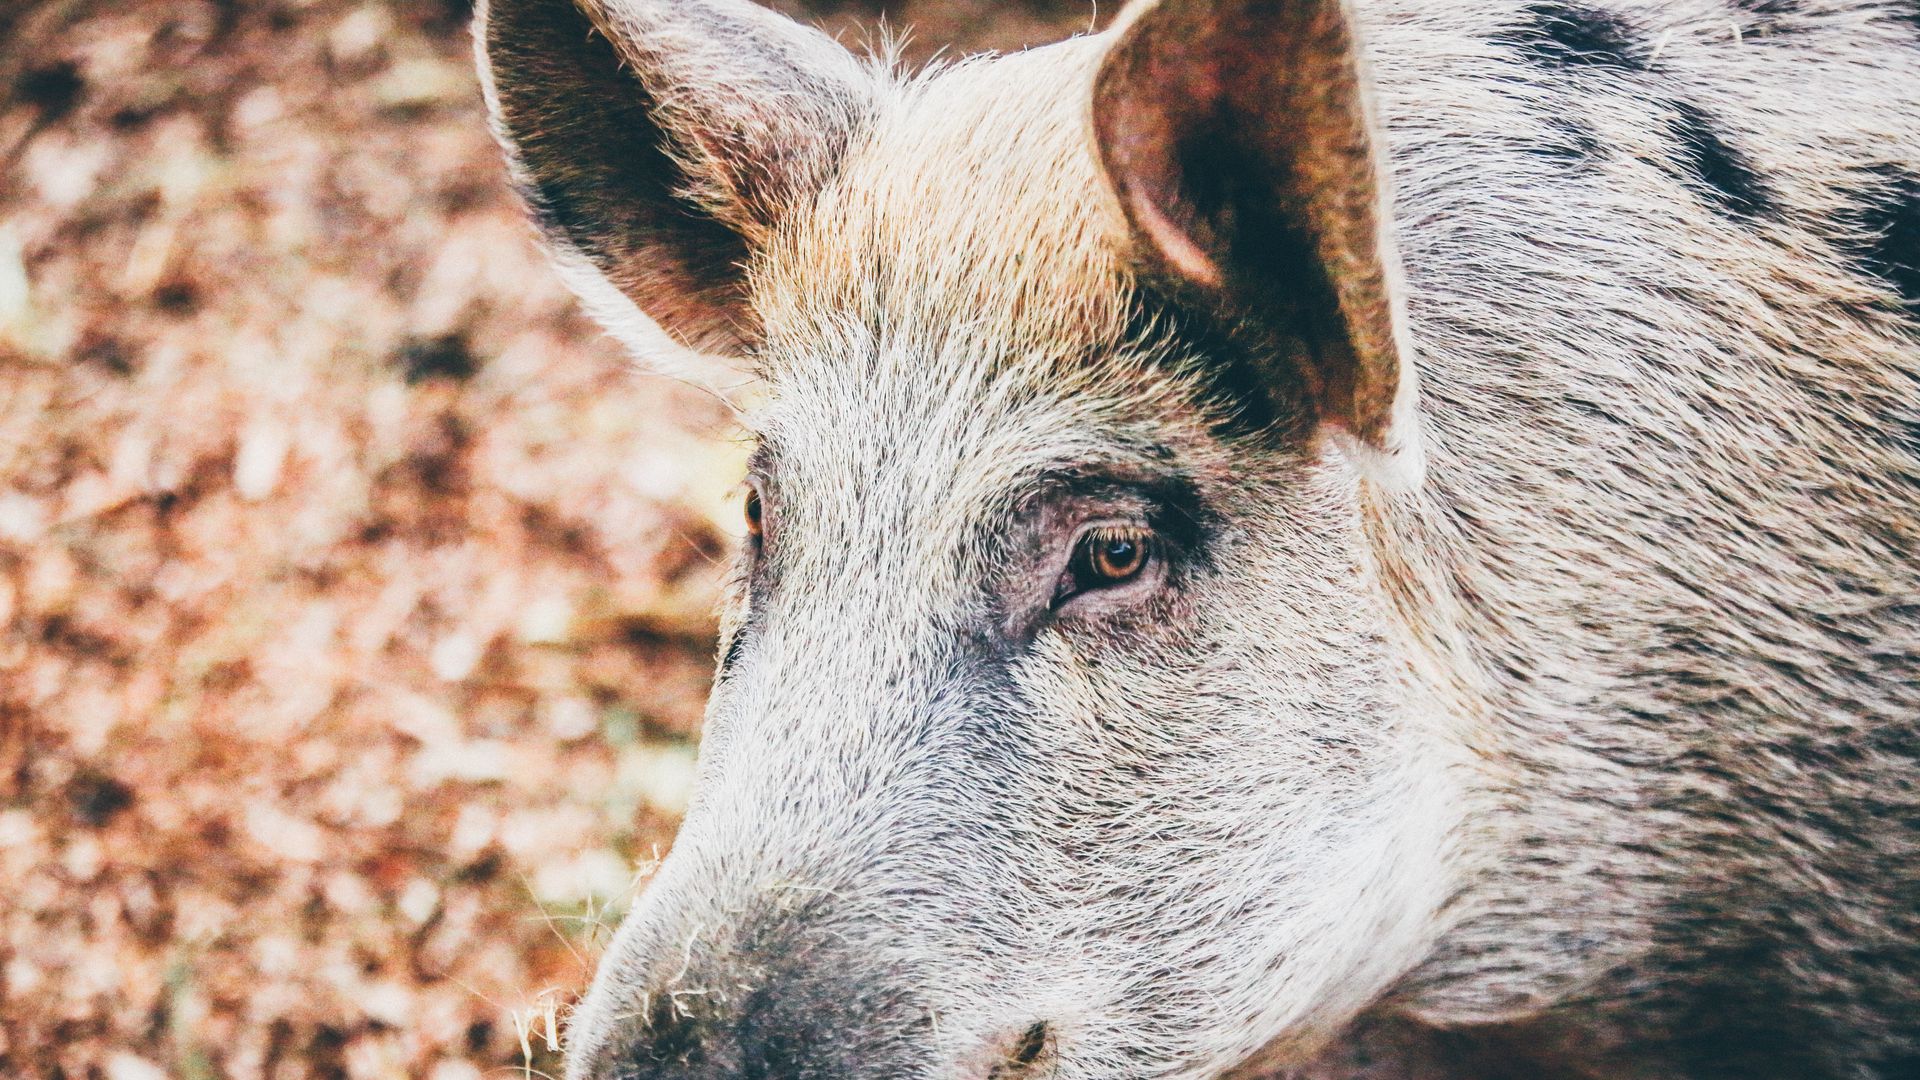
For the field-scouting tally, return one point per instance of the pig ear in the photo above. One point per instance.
(1237, 135)
(658, 141)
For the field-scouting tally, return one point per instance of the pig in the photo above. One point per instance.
(1320, 538)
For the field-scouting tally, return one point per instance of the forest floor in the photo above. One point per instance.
(355, 592)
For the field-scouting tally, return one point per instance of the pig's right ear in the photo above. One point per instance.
(657, 142)
(1238, 137)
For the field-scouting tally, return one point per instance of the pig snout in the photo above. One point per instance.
(792, 1005)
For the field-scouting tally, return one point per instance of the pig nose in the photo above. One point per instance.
(765, 1033)
(801, 1012)
(798, 1032)
(813, 1041)
(1021, 1053)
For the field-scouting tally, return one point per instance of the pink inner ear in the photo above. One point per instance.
(1176, 247)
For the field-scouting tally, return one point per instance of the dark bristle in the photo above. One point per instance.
(1769, 9)
(1028, 1050)
(1571, 35)
(1034, 1041)
(1568, 141)
(1904, 433)
(1887, 243)
(1766, 17)
(732, 656)
(1240, 384)
(1713, 167)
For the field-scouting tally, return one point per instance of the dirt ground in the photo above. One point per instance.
(354, 591)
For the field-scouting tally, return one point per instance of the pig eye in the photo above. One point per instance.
(756, 526)
(1105, 556)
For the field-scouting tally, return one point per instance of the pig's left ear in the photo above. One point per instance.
(1238, 137)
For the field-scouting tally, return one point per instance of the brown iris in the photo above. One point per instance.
(1109, 556)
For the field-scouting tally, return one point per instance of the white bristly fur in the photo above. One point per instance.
(1596, 742)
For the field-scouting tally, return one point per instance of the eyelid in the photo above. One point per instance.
(1110, 529)
(1117, 530)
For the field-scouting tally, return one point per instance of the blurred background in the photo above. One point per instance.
(355, 592)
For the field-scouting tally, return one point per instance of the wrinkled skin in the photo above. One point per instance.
(1584, 748)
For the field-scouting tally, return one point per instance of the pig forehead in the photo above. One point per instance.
(953, 314)
(873, 429)
(972, 206)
